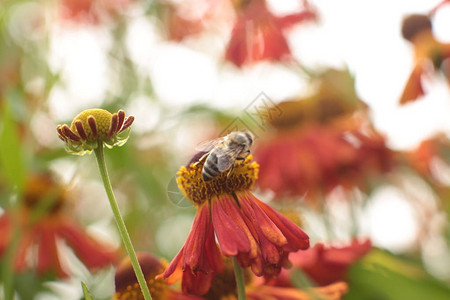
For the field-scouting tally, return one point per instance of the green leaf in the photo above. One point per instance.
(11, 153)
(382, 275)
(87, 295)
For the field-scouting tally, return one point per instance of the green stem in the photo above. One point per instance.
(120, 223)
(238, 274)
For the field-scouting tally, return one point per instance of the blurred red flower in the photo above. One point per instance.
(317, 159)
(224, 287)
(334, 291)
(325, 265)
(321, 142)
(429, 55)
(189, 18)
(259, 35)
(43, 223)
(257, 235)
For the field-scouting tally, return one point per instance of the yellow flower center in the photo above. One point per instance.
(158, 289)
(242, 177)
(102, 119)
(127, 287)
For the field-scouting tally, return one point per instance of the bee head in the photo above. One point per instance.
(245, 138)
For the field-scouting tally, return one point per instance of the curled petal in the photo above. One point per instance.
(93, 126)
(127, 123)
(121, 115)
(80, 130)
(113, 127)
(70, 134)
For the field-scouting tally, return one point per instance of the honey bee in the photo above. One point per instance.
(223, 152)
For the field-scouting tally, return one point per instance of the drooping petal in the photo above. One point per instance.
(48, 259)
(232, 233)
(92, 253)
(199, 259)
(297, 238)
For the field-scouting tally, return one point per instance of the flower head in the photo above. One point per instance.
(43, 222)
(257, 235)
(127, 287)
(94, 126)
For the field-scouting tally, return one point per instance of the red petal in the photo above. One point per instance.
(261, 220)
(231, 231)
(297, 238)
(92, 253)
(48, 259)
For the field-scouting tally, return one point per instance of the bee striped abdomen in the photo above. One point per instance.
(210, 169)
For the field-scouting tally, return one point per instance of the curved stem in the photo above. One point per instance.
(120, 223)
(240, 284)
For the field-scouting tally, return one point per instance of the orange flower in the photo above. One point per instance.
(42, 223)
(259, 35)
(257, 235)
(323, 264)
(429, 54)
(127, 287)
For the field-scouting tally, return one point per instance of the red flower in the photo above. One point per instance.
(224, 287)
(253, 232)
(127, 287)
(333, 291)
(321, 142)
(311, 160)
(325, 265)
(43, 232)
(429, 54)
(258, 35)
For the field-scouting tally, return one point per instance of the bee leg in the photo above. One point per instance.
(204, 156)
(230, 171)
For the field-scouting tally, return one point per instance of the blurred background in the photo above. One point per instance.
(350, 118)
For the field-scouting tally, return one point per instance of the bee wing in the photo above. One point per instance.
(226, 158)
(207, 146)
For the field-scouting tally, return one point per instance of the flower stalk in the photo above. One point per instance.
(99, 154)
(240, 284)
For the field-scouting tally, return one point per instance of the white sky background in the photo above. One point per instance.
(363, 35)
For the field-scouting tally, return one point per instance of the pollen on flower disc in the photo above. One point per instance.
(102, 119)
(198, 191)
